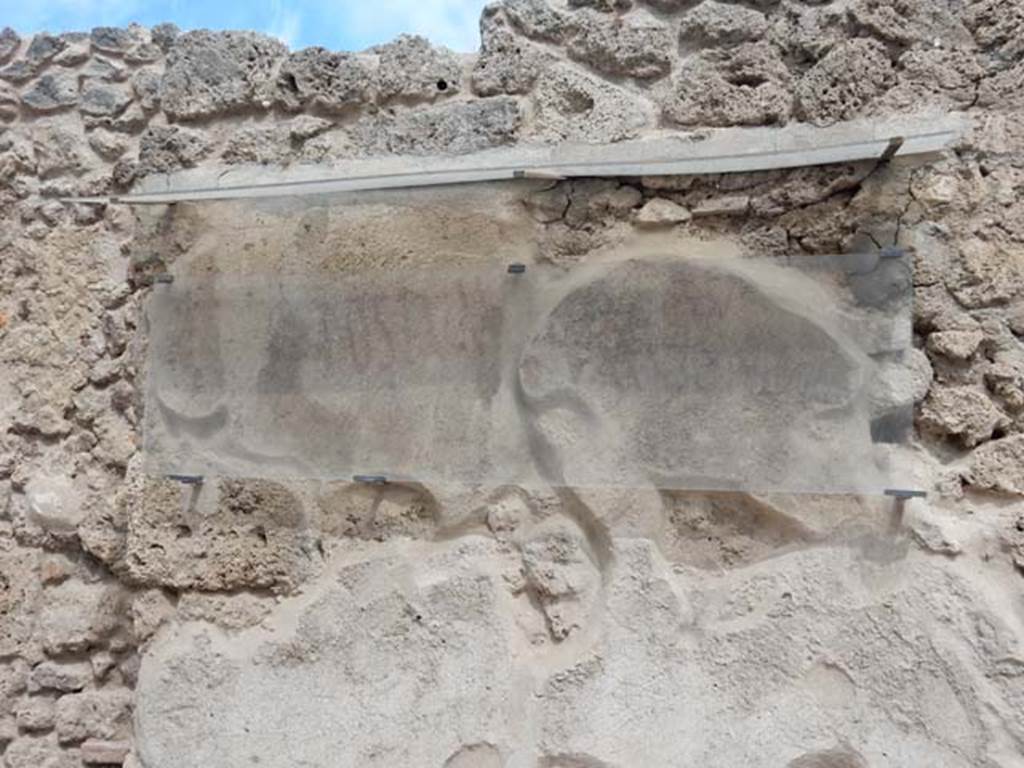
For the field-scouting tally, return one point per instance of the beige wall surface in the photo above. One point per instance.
(288, 622)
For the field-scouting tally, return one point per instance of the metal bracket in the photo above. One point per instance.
(900, 496)
(370, 479)
(538, 173)
(187, 479)
(890, 151)
(905, 493)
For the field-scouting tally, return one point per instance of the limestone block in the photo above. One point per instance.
(999, 465)
(54, 502)
(39, 752)
(257, 145)
(8, 730)
(331, 81)
(991, 272)
(104, 752)
(745, 85)
(76, 616)
(905, 22)
(659, 212)
(215, 73)
(65, 677)
(144, 52)
(725, 205)
(34, 714)
(58, 151)
(997, 27)
(571, 105)
(117, 40)
(100, 714)
(44, 47)
(76, 52)
(716, 23)
(14, 676)
(844, 82)
(242, 534)
(51, 92)
(956, 345)
(102, 99)
(149, 610)
(636, 45)
(455, 128)
(508, 63)
(10, 41)
(106, 69)
(306, 127)
(939, 78)
(411, 68)
(107, 144)
(538, 19)
(163, 149)
(164, 35)
(19, 599)
(9, 102)
(101, 663)
(807, 32)
(963, 412)
(600, 199)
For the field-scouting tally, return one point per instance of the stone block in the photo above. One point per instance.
(845, 82)
(65, 677)
(51, 92)
(455, 128)
(104, 752)
(571, 105)
(34, 714)
(636, 45)
(715, 23)
(659, 212)
(746, 85)
(217, 73)
(101, 714)
(10, 41)
(100, 99)
(963, 413)
(410, 67)
(77, 616)
(316, 77)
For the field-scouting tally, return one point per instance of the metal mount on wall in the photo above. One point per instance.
(370, 479)
(187, 479)
(900, 496)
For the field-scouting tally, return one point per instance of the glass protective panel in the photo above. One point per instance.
(656, 364)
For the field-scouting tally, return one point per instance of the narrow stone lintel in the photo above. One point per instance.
(101, 752)
(724, 150)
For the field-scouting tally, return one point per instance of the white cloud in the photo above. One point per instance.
(285, 23)
(39, 15)
(454, 23)
(331, 23)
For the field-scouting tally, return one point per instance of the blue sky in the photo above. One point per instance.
(337, 24)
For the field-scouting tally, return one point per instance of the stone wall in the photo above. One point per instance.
(400, 626)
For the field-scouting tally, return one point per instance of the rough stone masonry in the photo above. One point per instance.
(339, 625)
